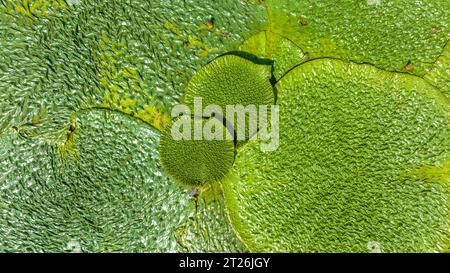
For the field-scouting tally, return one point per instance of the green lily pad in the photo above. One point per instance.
(387, 34)
(105, 192)
(232, 86)
(197, 162)
(231, 80)
(135, 57)
(132, 57)
(352, 172)
(363, 162)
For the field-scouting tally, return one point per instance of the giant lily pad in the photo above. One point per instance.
(104, 190)
(352, 173)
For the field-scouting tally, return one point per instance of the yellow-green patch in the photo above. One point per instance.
(283, 52)
(439, 74)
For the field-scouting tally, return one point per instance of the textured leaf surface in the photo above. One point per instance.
(283, 52)
(91, 180)
(108, 194)
(439, 74)
(231, 80)
(387, 34)
(350, 172)
(197, 162)
(231, 83)
(133, 57)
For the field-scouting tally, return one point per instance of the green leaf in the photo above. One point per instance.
(439, 74)
(231, 80)
(107, 192)
(135, 57)
(80, 85)
(197, 162)
(231, 83)
(284, 53)
(387, 34)
(349, 173)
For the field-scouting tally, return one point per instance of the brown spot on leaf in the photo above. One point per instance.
(409, 67)
(193, 193)
(303, 22)
(210, 24)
